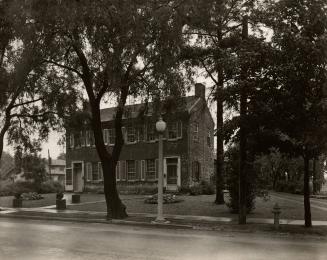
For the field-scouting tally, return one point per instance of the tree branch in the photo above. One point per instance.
(64, 67)
(27, 102)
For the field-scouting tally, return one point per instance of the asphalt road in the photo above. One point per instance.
(31, 239)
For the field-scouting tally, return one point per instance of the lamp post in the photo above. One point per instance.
(160, 127)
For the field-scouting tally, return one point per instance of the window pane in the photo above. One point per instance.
(95, 171)
(150, 169)
(131, 135)
(131, 170)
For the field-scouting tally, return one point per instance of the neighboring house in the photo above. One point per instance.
(188, 147)
(56, 171)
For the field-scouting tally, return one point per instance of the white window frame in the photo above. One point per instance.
(147, 169)
(134, 172)
(196, 132)
(128, 134)
(71, 140)
(111, 135)
(71, 180)
(169, 125)
(148, 127)
(105, 136)
(88, 169)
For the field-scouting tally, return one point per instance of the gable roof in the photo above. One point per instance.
(133, 111)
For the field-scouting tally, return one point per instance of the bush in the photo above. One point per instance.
(196, 190)
(18, 188)
(207, 188)
(50, 187)
(167, 199)
(290, 187)
(31, 196)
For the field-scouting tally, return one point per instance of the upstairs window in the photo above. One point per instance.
(71, 140)
(111, 136)
(151, 132)
(196, 132)
(172, 130)
(131, 134)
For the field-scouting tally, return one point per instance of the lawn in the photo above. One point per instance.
(202, 205)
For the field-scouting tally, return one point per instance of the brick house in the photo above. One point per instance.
(188, 148)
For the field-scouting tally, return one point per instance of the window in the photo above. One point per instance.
(88, 171)
(150, 169)
(151, 132)
(89, 138)
(196, 171)
(131, 170)
(95, 171)
(111, 136)
(105, 136)
(100, 171)
(131, 134)
(77, 139)
(196, 132)
(172, 130)
(71, 140)
(69, 177)
(83, 138)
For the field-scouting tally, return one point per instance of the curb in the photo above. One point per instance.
(100, 221)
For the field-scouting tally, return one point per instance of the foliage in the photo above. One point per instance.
(34, 168)
(167, 199)
(50, 186)
(202, 188)
(255, 185)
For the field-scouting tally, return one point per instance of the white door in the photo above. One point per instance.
(78, 173)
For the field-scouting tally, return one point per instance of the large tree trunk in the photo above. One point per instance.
(243, 141)
(220, 147)
(115, 208)
(306, 193)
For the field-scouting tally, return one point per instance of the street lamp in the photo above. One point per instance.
(160, 127)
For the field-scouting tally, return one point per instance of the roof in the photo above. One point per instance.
(133, 111)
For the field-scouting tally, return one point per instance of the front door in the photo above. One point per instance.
(172, 173)
(77, 177)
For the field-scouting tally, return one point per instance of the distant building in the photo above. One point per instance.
(56, 171)
(188, 147)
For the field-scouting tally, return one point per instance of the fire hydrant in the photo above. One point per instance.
(276, 210)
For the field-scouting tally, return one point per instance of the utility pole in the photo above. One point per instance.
(243, 137)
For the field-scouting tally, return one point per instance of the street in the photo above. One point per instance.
(34, 239)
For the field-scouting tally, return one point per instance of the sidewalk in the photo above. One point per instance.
(142, 219)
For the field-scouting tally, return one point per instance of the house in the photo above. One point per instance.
(56, 170)
(187, 147)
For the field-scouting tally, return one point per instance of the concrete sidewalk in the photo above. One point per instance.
(176, 221)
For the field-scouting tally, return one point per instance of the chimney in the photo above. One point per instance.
(200, 90)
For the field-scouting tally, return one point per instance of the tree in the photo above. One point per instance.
(114, 49)
(299, 73)
(27, 105)
(213, 25)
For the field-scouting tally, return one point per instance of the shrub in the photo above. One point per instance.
(167, 199)
(18, 188)
(207, 188)
(50, 187)
(31, 196)
(196, 190)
